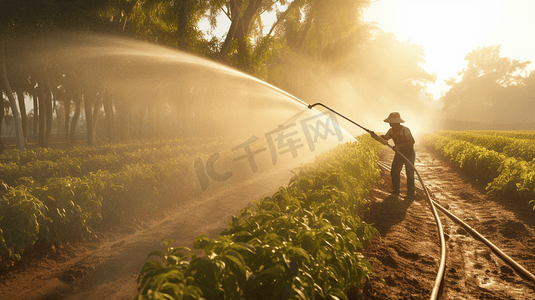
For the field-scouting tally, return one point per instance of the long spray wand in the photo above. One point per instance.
(374, 135)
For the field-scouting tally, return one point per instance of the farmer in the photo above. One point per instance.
(404, 144)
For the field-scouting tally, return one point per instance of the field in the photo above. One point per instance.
(505, 161)
(47, 191)
(305, 241)
(54, 198)
(308, 238)
(408, 253)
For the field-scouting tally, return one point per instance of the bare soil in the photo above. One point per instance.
(107, 267)
(408, 254)
(405, 258)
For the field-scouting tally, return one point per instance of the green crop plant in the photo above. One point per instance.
(303, 242)
(74, 206)
(73, 201)
(169, 281)
(22, 218)
(520, 145)
(504, 175)
(41, 165)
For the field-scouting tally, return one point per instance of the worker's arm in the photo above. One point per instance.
(380, 139)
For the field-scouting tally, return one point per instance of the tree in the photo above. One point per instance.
(312, 42)
(40, 17)
(393, 69)
(320, 25)
(480, 92)
(14, 109)
(316, 36)
(171, 23)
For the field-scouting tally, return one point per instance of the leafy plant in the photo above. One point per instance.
(503, 174)
(68, 200)
(303, 242)
(160, 281)
(22, 218)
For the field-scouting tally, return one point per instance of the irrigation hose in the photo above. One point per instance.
(442, 266)
(495, 249)
(432, 204)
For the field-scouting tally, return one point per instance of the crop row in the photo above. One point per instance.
(517, 134)
(503, 174)
(76, 163)
(64, 208)
(521, 148)
(22, 158)
(303, 242)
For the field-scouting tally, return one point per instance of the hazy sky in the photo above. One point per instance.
(450, 29)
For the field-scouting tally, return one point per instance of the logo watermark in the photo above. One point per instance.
(283, 140)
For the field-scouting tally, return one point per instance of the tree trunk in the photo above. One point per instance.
(182, 8)
(48, 108)
(251, 10)
(96, 110)
(42, 119)
(13, 104)
(235, 12)
(122, 114)
(92, 104)
(45, 109)
(239, 28)
(35, 114)
(24, 116)
(1, 119)
(76, 116)
(67, 112)
(110, 116)
(304, 35)
(88, 108)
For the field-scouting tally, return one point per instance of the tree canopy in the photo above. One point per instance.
(491, 89)
(311, 43)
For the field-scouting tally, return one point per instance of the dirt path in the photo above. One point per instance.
(408, 255)
(108, 269)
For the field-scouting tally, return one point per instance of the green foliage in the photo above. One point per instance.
(36, 14)
(169, 280)
(520, 145)
(80, 189)
(22, 219)
(503, 174)
(45, 163)
(74, 207)
(483, 86)
(303, 242)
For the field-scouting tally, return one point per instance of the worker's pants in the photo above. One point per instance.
(397, 165)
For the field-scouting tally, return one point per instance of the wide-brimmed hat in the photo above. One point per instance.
(394, 117)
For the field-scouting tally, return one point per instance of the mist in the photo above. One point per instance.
(135, 90)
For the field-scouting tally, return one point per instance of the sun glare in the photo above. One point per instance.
(447, 28)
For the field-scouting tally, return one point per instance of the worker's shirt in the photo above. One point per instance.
(400, 137)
